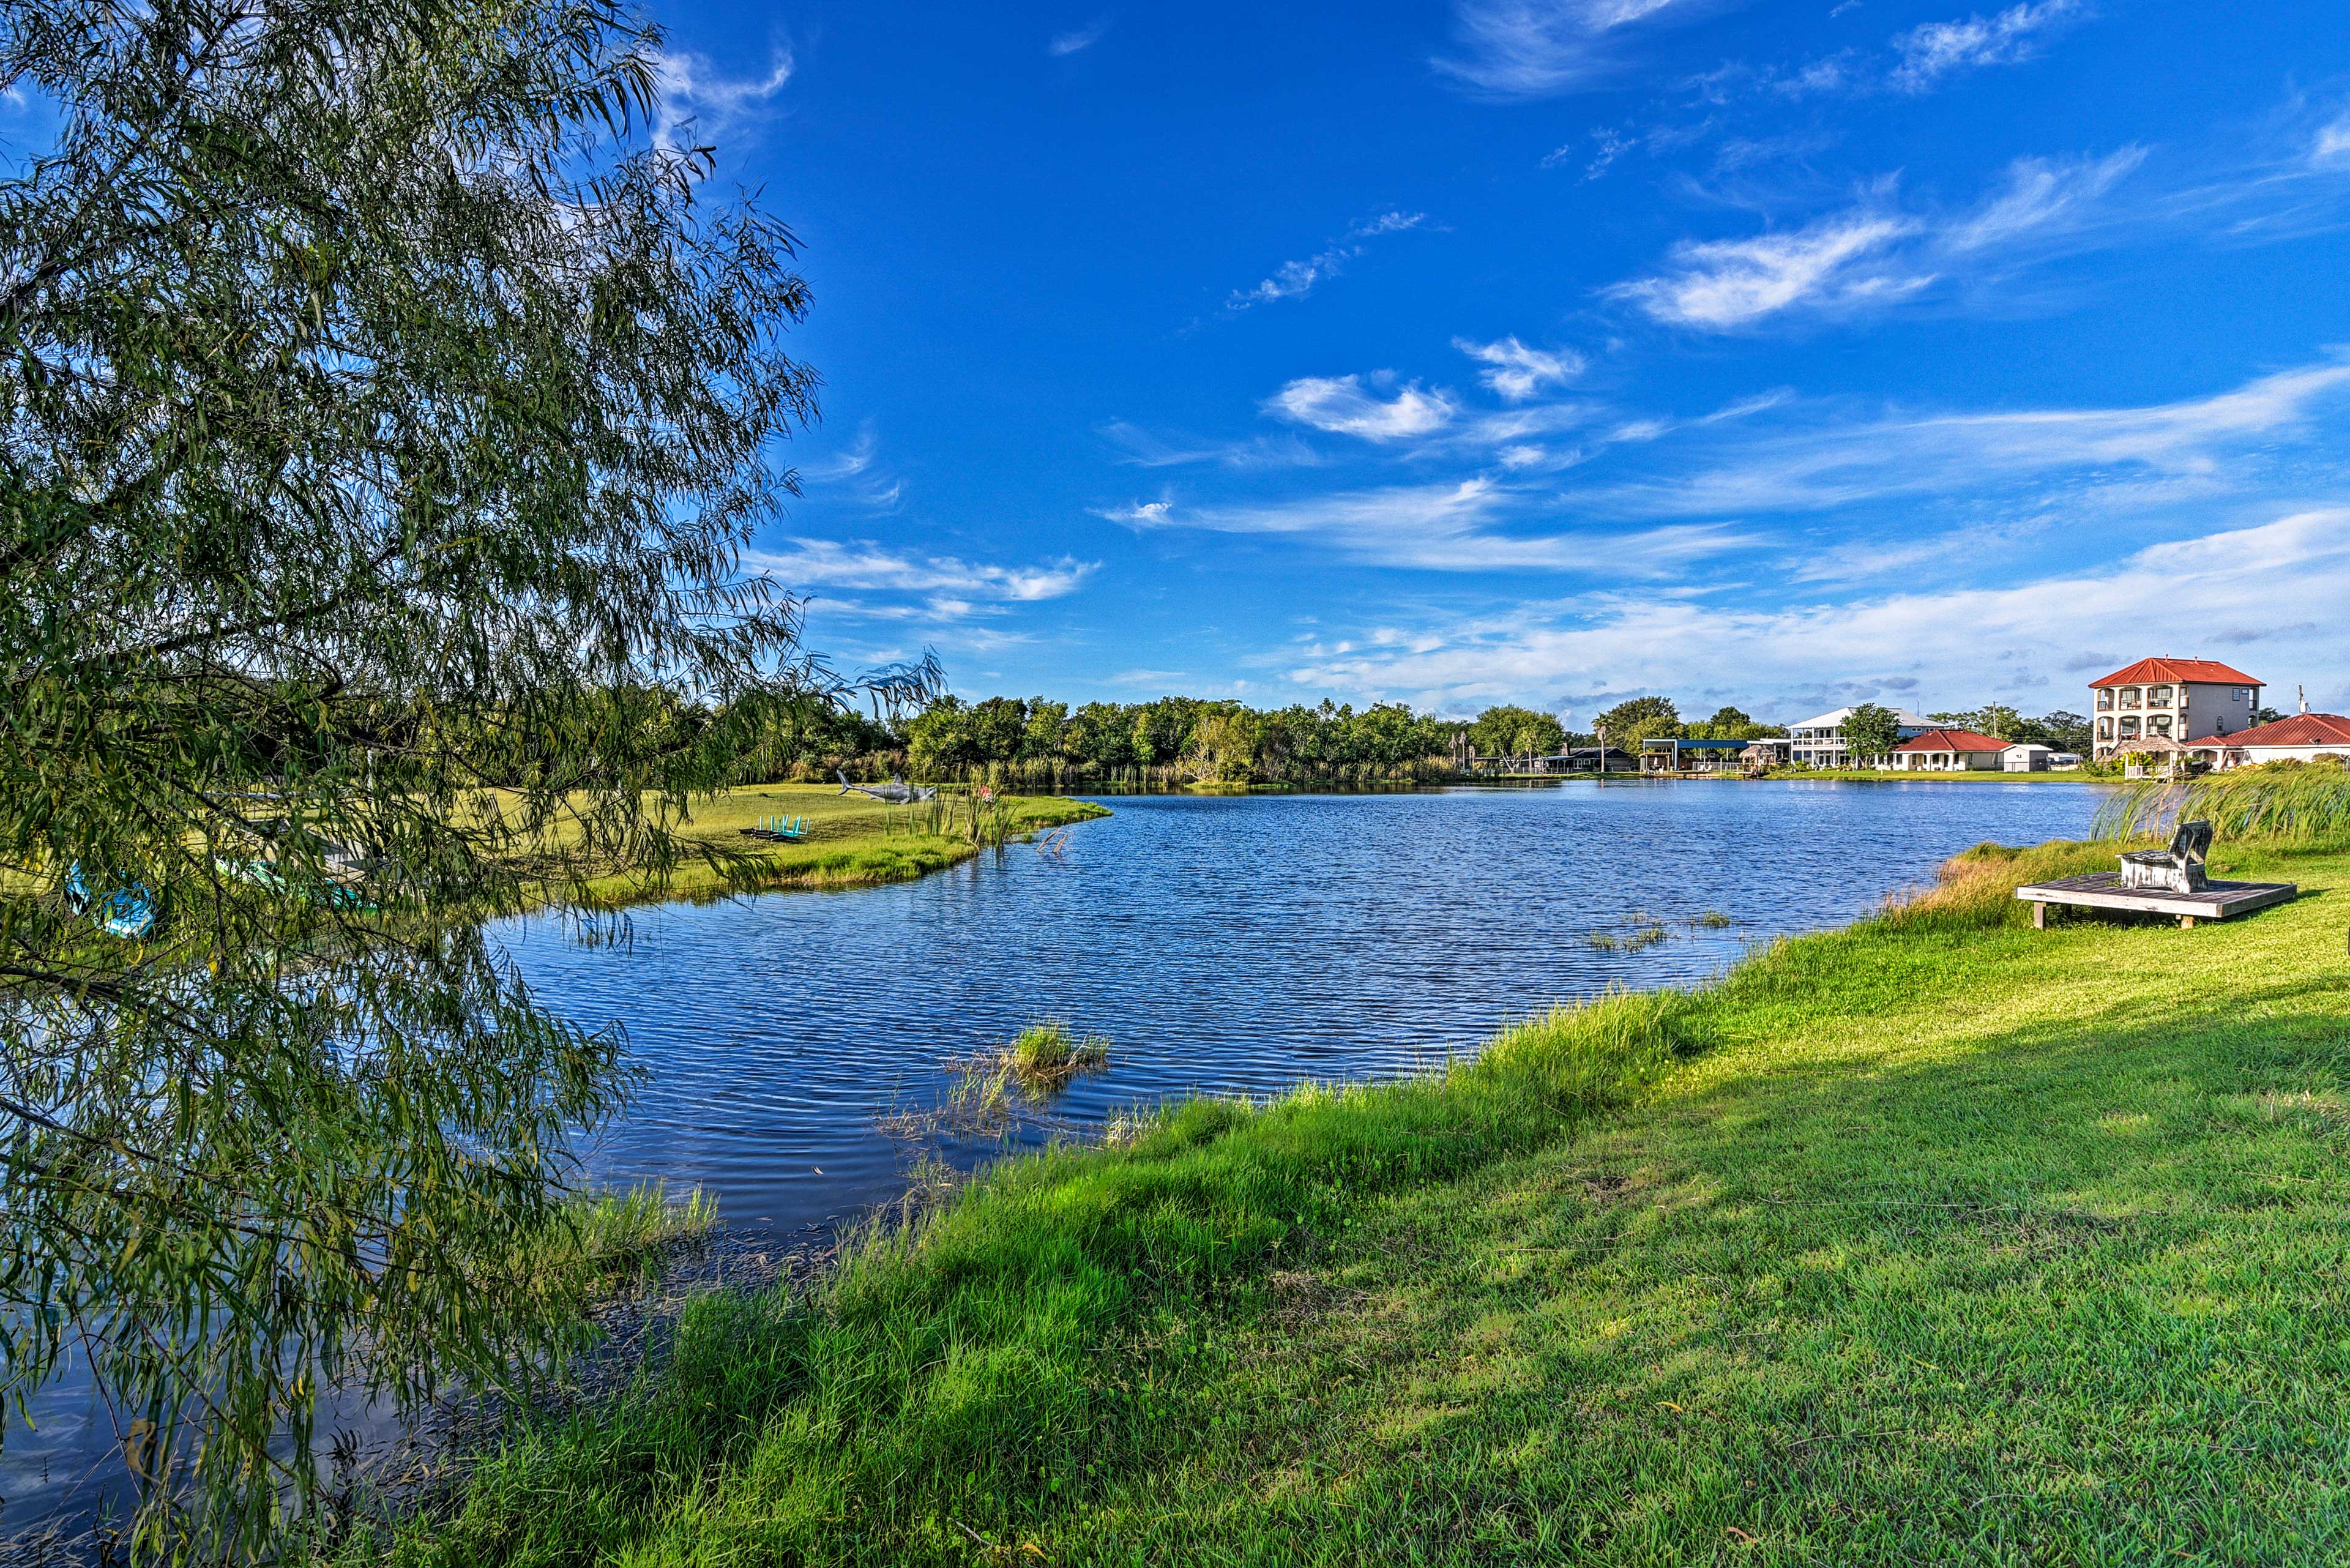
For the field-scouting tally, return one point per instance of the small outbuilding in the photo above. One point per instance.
(2027, 757)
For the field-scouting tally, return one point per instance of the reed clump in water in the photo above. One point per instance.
(1004, 1085)
(1645, 933)
(1048, 1055)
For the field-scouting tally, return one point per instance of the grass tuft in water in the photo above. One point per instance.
(1646, 931)
(1047, 1055)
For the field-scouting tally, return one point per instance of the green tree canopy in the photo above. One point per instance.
(384, 412)
(1871, 732)
(1733, 724)
(1994, 719)
(1639, 719)
(2063, 730)
(1509, 730)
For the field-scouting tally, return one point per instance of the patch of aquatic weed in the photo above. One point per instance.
(1643, 931)
(950, 1371)
(1003, 1087)
(1975, 890)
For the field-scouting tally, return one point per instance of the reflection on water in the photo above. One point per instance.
(1224, 945)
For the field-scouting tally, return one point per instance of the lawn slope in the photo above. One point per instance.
(853, 841)
(1937, 1240)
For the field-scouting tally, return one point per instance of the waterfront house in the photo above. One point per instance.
(1819, 743)
(2180, 700)
(2030, 757)
(2300, 738)
(1948, 751)
(1671, 755)
(1591, 760)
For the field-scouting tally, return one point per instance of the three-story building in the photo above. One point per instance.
(2179, 700)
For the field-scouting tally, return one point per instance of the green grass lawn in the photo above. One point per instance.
(853, 840)
(1938, 1240)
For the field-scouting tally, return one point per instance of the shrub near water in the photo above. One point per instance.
(999, 1362)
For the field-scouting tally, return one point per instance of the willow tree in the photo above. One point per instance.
(382, 411)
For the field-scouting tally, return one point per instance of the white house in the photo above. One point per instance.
(2302, 737)
(1819, 743)
(2028, 757)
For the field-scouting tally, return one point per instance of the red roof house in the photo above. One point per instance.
(2171, 699)
(2202, 671)
(1948, 750)
(2301, 735)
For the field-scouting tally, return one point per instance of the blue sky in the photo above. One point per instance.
(1555, 351)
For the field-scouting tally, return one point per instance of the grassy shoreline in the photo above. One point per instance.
(1936, 1239)
(853, 841)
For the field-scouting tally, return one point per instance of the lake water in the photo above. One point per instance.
(1223, 945)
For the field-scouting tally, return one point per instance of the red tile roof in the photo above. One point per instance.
(2300, 729)
(2209, 672)
(1953, 741)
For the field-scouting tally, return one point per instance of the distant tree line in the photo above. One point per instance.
(1639, 719)
(1037, 741)
(1040, 742)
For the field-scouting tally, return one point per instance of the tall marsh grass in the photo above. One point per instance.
(2303, 804)
(1976, 887)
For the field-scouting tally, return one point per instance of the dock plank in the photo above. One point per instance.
(2103, 890)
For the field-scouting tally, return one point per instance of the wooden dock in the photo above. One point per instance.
(2104, 891)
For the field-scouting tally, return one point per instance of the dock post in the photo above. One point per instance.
(2039, 917)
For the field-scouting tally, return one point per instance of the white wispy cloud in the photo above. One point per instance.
(697, 98)
(1145, 449)
(1297, 279)
(1139, 514)
(1515, 372)
(1475, 524)
(2280, 581)
(2189, 444)
(1343, 405)
(855, 473)
(1929, 53)
(1536, 48)
(1077, 40)
(2042, 196)
(954, 585)
(1874, 253)
(2331, 147)
(1727, 284)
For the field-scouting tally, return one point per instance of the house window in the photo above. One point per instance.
(2158, 697)
(2105, 729)
(2105, 698)
(2129, 696)
(2159, 724)
(2129, 728)
(2243, 695)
